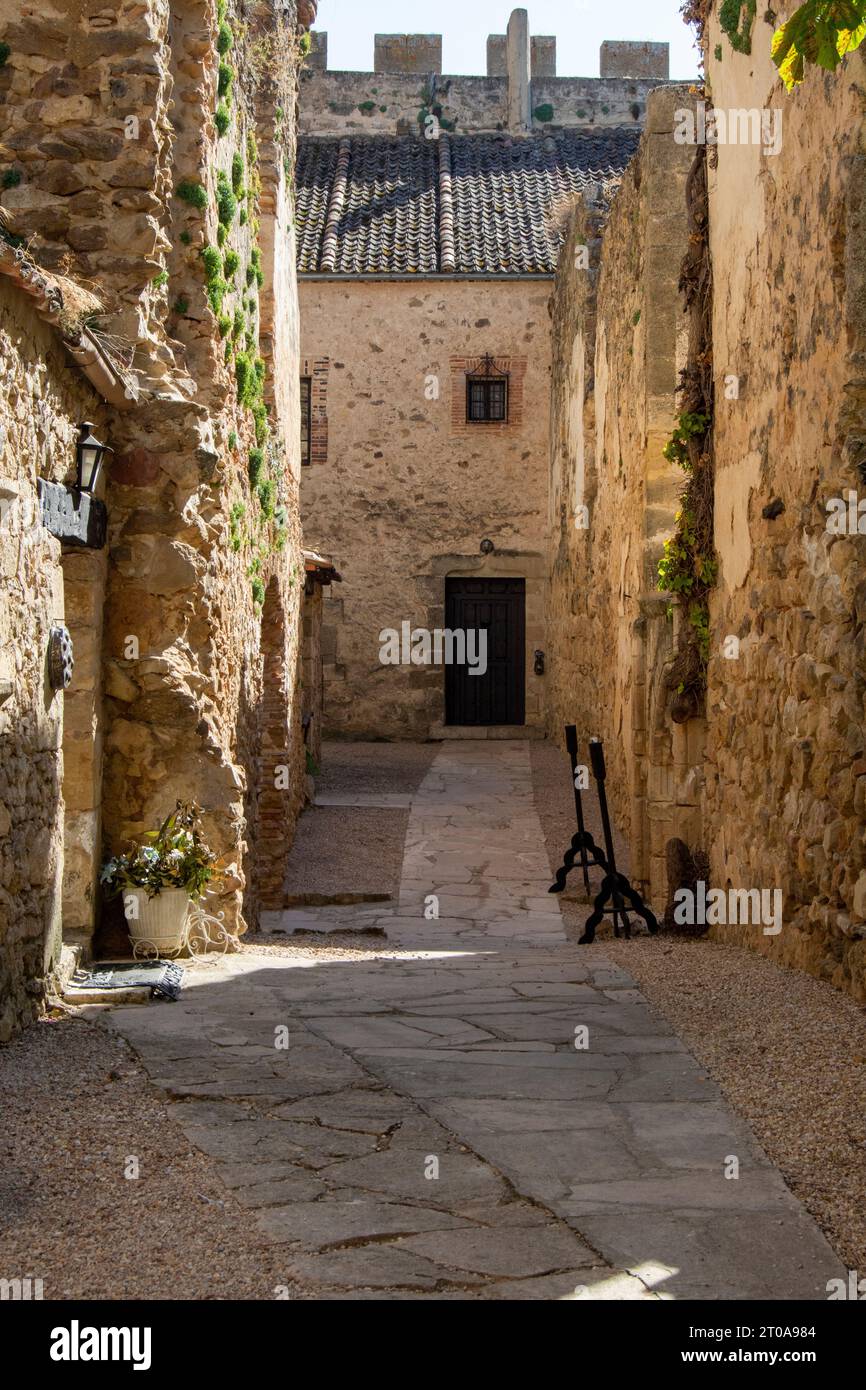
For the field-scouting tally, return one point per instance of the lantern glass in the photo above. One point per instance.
(90, 453)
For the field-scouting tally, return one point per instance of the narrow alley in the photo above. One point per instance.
(424, 456)
(435, 1126)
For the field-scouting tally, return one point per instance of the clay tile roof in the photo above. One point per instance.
(464, 204)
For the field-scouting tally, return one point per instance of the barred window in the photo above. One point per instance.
(487, 399)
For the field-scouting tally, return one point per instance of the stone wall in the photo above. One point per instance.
(772, 784)
(154, 161)
(405, 495)
(42, 400)
(414, 53)
(618, 342)
(786, 771)
(542, 50)
(205, 571)
(628, 59)
(521, 90)
(366, 103)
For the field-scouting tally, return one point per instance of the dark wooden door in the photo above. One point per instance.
(498, 607)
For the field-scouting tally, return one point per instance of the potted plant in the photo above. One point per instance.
(159, 878)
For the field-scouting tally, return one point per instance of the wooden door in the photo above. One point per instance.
(498, 607)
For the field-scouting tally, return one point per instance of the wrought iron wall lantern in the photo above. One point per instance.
(90, 454)
(70, 512)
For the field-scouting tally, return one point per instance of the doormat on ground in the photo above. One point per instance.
(163, 977)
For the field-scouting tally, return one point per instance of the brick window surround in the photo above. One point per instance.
(317, 369)
(461, 368)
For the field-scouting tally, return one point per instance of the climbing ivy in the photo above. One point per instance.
(737, 18)
(231, 269)
(225, 79)
(256, 464)
(254, 269)
(690, 425)
(688, 566)
(236, 532)
(225, 37)
(227, 203)
(215, 285)
(238, 176)
(193, 193)
(267, 494)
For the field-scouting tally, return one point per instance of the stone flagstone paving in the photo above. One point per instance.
(432, 1131)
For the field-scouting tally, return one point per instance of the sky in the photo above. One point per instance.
(580, 27)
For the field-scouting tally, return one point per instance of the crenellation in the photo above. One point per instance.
(626, 59)
(407, 53)
(396, 98)
(317, 58)
(361, 103)
(542, 55)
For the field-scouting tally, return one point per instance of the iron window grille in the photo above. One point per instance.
(306, 419)
(487, 394)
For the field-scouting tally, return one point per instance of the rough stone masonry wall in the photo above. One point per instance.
(389, 103)
(786, 747)
(41, 402)
(407, 492)
(618, 342)
(136, 134)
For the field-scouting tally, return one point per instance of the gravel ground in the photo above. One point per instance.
(69, 1216)
(788, 1051)
(341, 849)
(374, 767)
(335, 947)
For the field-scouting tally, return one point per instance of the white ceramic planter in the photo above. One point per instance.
(161, 925)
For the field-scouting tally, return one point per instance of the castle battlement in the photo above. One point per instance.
(520, 92)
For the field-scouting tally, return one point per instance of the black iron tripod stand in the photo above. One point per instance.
(616, 897)
(582, 844)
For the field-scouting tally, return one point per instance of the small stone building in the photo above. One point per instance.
(429, 220)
